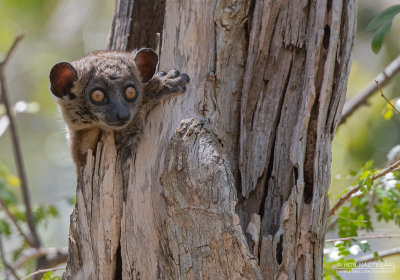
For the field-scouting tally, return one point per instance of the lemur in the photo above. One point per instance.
(108, 90)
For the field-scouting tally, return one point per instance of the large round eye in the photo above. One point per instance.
(130, 93)
(97, 96)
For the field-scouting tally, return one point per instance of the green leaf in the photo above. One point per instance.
(5, 228)
(53, 211)
(39, 214)
(19, 214)
(388, 113)
(367, 165)
(384, 17)
(71, 200)
(49, 276)
(348, 264)
(18, 251)
(6, 195)
(353, 173)
(360, 221)
(13, 180)
(364, 246)
(382, 24)
(378, 37)
(377, 257)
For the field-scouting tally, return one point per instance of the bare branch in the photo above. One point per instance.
(343, 199)
(42, 271)
(361, 98)
(362, 237)
(382, 254)
(348, 195)
(17, 150)
(7, 266)
(53, 256)
(15, 222)
(10, 51)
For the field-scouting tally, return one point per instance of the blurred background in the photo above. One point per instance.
(65, 30)
(369, 134)
(54, 31)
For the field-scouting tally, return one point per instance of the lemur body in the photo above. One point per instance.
(110, 91)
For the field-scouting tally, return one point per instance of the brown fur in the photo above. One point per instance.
(111, 71)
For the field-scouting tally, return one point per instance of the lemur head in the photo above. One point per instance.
(102, 89)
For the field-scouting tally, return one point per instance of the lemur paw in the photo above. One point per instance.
(174, 82)
(168, 83)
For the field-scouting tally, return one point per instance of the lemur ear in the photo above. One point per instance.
(62, 77)
(146, 61)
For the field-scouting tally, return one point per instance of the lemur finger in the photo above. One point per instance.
(172, 74)
(161, 74)
(181, 79)
(185, 77)
(182, 88)
(178, 84)
(171, 88)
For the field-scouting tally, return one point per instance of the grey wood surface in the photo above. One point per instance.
(230, 179)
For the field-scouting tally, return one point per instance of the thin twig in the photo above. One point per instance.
(362, 237)
(387, 100)
(361, 98)
(348, 195)
(53, 256)
(381, 254)
(15, 222)
(7, 266)
(42, 271)
(17, 150)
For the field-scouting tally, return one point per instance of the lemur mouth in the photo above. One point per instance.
(118, 125)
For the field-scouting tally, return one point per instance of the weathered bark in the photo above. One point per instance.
(135, 24)
(294, 90)
(96, 220)
(244, 153)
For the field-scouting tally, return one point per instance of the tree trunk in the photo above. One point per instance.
(230, 180)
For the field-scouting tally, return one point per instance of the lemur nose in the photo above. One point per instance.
(123, 116)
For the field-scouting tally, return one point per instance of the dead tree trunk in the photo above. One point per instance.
(230, 180)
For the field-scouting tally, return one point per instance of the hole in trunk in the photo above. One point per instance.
(309, 158)
(279, 250)
(327, 35)
(118, 270)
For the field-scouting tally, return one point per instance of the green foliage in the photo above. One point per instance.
(17, 252)
(49, 276)
(330, 271)
(41, 22)
(71, 200)
(382, 24)
(388, 112)
(5, 228)
(41, 213)
(9, 188)
(382, 196)
(377, 257)
(8, 184)
(388, 209)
